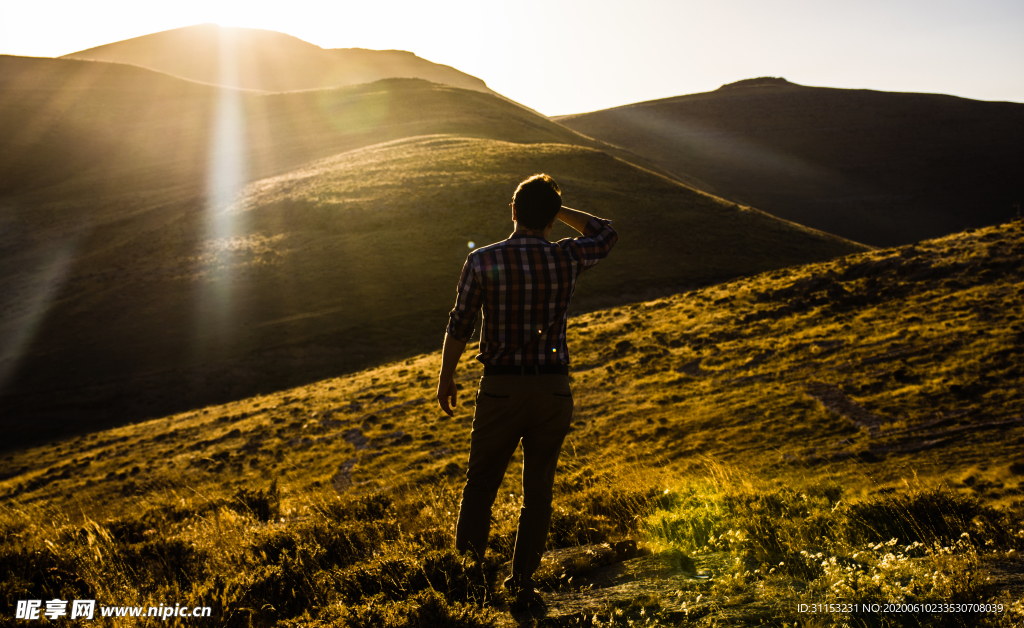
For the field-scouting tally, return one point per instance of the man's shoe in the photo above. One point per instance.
(529, 600)
(524, 596)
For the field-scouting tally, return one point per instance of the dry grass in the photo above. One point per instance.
(807, 416)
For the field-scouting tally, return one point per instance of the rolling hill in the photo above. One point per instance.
(339, 264)
(755, 438)
(169, 243)
(88, 128)
(110, 171)
(876, 167)
(269, 61)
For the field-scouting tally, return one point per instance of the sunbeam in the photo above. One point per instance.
(743, 154)
(30, 311)
(225, 179)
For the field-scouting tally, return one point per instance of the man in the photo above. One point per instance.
(523, 284)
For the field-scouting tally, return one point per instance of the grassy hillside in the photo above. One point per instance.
(111, 171)
(66, 122)
(847, 431)
(99, 153)
(345, 263)
(876, 167)
(268, 61)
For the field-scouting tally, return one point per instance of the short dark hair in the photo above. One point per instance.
(537, 201)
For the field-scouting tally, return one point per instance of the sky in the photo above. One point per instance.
(569, 56)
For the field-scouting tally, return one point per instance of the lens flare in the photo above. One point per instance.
(31, 308)
(227, 144)
(225, 179)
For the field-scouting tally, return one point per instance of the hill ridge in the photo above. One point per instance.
(761, 81)
(269, 61)
(884, 168)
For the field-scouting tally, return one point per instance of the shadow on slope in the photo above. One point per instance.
(876, 167)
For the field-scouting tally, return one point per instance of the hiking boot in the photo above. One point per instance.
(524, 596)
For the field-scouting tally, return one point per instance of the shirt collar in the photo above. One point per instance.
(516, 236)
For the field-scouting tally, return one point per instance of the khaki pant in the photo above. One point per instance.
(534, 409)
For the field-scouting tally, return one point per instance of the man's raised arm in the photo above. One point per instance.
(598, 236)
(574, 218)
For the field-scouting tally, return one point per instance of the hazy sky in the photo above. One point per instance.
(561, 56)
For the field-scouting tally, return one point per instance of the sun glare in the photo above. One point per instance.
(47, 282)
(226, 177)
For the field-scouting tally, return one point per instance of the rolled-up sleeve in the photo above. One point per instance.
(467, 303)
(594, 245)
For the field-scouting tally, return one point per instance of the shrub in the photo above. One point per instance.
(397, 578)
(373, 507)
(922, 516)
(280, 590)
(426, 609)
(269, 544)
(42, 574)
(263, 504)
(343, 545)
(695, 514)
(164, 560)
(326, 543)
(127, 529)
(570, 528)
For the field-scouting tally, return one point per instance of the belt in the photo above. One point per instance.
(543, 369)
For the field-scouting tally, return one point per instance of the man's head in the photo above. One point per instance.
(536, 202)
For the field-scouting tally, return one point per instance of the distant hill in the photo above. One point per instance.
(876, 167)
(269, 61)
(128, 291)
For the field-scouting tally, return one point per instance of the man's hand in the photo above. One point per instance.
(446, 389)
(446, 379)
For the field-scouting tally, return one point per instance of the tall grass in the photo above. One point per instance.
(387, 558)
(795, 546)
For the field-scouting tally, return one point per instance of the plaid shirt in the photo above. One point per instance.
(524, 285)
